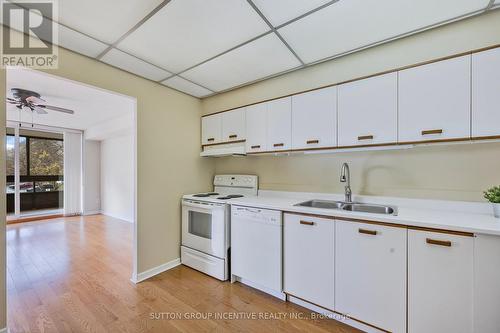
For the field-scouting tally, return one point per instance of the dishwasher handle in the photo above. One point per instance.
(258, 215)
(250, 210)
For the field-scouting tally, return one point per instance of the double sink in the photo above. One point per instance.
(350, 206)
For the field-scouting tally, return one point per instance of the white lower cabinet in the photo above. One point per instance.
(440, 282)
(486, 286)
(370, 274)
(308, 256)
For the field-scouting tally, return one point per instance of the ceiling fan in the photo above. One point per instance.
(33, 101)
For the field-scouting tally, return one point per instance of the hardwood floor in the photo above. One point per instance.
(72, 275)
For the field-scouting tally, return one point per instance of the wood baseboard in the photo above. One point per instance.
(34, 218)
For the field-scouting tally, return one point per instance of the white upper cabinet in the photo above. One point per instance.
(233, 125)
(368, 111)
(211, 129)
(279, 124)
(440, 282)
(314, 119)
(486, 93)
(370, 274)
(434, 101)
(256, 128)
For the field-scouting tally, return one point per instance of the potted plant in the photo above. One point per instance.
(493, 196)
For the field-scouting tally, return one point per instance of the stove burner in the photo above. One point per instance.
(230, 196)
(204, 195)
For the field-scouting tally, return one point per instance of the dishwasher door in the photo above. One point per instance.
(256, 249)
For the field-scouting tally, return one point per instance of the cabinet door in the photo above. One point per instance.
(233, 125)
(256, 128)
(211, 129)
(486, 93)
(370, 274)
(368, 111)
(279, 123)
(434, 101)
(314, 119)
(440, 270)
(308, 259)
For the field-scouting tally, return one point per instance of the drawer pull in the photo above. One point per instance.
(438, 242)
(278, 145)
(233, 136)
(210, 139)
(310, 142)
(306, 222)
(365, 137)
(434, 131)
(367, 232)
(255, 147)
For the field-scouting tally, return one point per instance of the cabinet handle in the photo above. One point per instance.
(310, 142)
(438, 242)
(233, 136)
(433, 131)
(365, 137)
(278, 145)
(255, 147)
(367, 232)
(306, 222)
(210, 139)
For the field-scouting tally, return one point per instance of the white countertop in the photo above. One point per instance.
(457, 216)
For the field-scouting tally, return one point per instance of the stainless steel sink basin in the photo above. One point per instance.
(369, 208)
(325, 204)
(351, 207)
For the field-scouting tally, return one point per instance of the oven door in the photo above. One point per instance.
(204, 227)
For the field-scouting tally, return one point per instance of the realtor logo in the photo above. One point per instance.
(29, 33)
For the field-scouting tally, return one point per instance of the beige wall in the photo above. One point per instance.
(454, 172)
(169, 165)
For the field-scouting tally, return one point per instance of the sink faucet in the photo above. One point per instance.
(345, 177)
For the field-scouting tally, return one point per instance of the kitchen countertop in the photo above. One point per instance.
(448, 215)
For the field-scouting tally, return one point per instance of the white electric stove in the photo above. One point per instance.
(205, 224)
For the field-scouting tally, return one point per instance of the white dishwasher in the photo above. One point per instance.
(256, 248)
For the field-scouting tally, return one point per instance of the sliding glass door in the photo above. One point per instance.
(35, 184)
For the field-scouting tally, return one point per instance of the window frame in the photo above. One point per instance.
(33, 178)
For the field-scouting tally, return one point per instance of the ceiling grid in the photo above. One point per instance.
(197, 45)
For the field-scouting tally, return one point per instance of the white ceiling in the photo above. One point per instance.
(105, 20)
(186, 32)
(92, 106)
(218, 45)
(317, 36)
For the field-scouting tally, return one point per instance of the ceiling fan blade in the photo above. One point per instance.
(40, 110)
(56, 108)
(35, 100)
(12, 101)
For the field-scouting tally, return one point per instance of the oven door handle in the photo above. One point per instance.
(200, 205)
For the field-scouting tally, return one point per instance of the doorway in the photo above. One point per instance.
(79, 165)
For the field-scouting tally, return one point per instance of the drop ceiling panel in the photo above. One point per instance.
(129, 63)
(185, 86)
(348, 25)
(185, 33)
(260, 58)
(105, 20)
(281, 11)
(80, 43)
